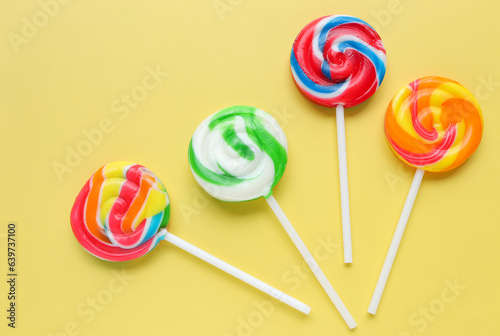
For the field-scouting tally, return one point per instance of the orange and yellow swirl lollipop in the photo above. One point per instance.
(432, 124)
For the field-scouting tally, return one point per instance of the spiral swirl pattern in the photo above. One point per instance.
(434, 123)
(338, 60)
(238, 154)
(121, 213)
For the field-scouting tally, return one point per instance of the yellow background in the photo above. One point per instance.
(65, 79)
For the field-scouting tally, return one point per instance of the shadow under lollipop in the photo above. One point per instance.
(432, 124)
(339, 61)
(239, 154)
(122, 213)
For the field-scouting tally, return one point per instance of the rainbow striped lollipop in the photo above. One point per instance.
(239, 154)
(122, 213)
(432, 124)
(339, 61)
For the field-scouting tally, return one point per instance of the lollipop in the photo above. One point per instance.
(239, 154)
(122, 213)
(433, 124)
(339, 61)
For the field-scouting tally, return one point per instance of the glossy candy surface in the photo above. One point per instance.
(121, 213)
(338, 60)
(434, 123)
(238, 154)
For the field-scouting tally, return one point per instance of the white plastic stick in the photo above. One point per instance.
(311, 262)
(344, 185)
(277, 294)
(396, 240)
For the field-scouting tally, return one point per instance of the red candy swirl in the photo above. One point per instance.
(338, 60)
(121, 213)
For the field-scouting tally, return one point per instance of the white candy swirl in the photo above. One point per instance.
(238, 154)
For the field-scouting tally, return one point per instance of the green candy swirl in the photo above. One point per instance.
(238, 154)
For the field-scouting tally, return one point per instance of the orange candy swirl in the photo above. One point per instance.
(434, 123)
(121, 213)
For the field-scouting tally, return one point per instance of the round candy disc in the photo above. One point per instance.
(338, 60)
(121, 213)
(434, 123)
(238, 154)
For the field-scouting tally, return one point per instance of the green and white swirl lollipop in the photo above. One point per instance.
(239, 154)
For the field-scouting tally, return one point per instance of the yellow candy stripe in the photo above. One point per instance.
(434, 123)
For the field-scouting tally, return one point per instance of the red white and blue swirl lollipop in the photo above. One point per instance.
(339, 61)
